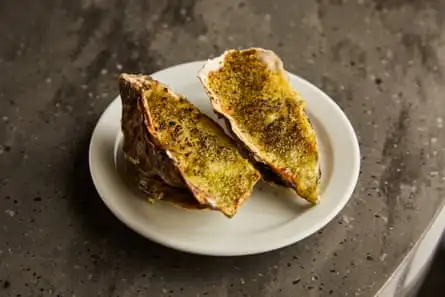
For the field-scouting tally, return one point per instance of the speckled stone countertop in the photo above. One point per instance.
(382, 61)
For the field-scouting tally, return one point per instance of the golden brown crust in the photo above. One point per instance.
(265, 114)
(196, 147)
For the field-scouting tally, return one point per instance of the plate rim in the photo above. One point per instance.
(348, 191)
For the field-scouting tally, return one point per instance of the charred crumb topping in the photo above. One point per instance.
(269, 113)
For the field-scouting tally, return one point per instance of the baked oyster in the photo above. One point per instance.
(250, 90)
(165, 135)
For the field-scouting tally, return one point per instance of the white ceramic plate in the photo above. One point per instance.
(272, 218)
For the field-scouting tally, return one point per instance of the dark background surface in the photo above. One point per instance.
(381, 61)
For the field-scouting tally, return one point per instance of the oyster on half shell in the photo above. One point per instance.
(250, 90)
(166, 136)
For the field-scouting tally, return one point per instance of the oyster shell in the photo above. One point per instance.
(165, 135)
(156, 189)
(250, 90)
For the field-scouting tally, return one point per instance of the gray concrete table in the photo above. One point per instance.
(382, 61)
